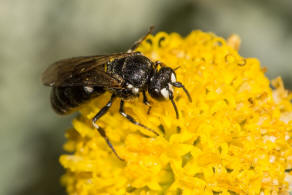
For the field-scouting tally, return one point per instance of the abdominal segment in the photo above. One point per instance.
(66, 100)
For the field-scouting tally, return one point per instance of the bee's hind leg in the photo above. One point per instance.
(146, 102)
(101, 130)
(145, 99)
(103, 134)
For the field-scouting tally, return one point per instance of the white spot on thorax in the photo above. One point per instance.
(135, 90)
(129, 86)
(88, 89)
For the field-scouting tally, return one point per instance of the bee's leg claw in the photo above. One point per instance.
(103, 134)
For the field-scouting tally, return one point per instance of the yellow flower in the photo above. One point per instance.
(234, 138)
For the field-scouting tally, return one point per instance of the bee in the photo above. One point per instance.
(77, 80)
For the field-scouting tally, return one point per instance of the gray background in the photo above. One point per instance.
(35, 33)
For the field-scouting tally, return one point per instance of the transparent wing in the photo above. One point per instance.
(88, 70)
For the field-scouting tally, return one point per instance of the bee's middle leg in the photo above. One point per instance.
(132, 120)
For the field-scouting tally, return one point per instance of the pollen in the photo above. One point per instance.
(233, 138)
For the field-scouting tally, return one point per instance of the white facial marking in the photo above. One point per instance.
(129, 86)
(173, 79)
(88, 89)
(164, 93)
(135, 90)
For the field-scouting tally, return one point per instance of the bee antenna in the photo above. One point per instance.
(175, 108)
(180, 85)
(176, 68)
(173, 103)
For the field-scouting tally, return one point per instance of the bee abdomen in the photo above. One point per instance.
(66, 100)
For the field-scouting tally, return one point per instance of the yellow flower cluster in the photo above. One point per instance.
(234, 138)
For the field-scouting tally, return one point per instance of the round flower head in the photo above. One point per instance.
(233, 138)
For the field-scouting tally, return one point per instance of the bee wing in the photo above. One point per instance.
(88, 70)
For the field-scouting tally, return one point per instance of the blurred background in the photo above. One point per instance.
(35, 33)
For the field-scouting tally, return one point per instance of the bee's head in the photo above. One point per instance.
(162, 83)
(160, 86)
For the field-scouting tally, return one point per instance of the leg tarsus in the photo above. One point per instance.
(149, 109)
(132, 120)
(100, 130)
(146, 102)
(145, 99)
(103, 134)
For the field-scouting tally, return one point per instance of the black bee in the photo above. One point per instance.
(74, 81)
